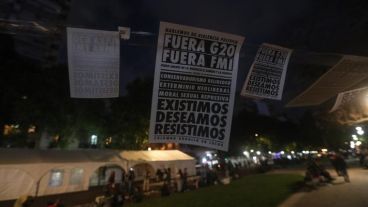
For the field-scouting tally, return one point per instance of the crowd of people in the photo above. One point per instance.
(165, 182)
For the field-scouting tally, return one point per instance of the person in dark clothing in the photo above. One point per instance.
(159, 175)
(179, 181)
(131, 178)
(185, 180)
(340, 166)
(314, 170)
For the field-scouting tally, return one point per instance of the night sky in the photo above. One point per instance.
(318, 32)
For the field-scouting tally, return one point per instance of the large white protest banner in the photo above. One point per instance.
(93, 57)
(347, 97)
(266, 77)
(194, 86)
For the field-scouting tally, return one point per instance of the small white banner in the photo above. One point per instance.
(194, 86)
(93, 57)
(267, 75)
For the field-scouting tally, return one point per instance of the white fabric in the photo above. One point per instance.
(14, 182)
(155, 155)
(21, 169)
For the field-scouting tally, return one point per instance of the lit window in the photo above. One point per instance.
(94, 139)
(56, 178)
(76, 176)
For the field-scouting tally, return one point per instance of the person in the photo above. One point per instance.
(146, 181)
(56, 203)
(131, 177)
(111, 179)
(179, 181)
(168, 176)
(137, 194)
(159, 175)
(340, 166)
(24, 201)
(113, 196)
(185, 180)
(203, 173)
(314, 170)
(165, 190)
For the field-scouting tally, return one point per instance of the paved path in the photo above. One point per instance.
(338, 194)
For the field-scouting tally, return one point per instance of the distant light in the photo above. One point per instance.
(258, 153)
(360, 132)
(354, 136)
(256, 134)
(358, 143)
(204, 160)
(254, 158)
(314, 152)
(246, 153)
(149, 149)
(209, 155)
(324, 150)
(31, 129)
(292, 152)
(269, 152)
(289, 157)
(319, 155)
(24, 97)
(358, 128)
(282, 152)
(251, 150)
(352, 145)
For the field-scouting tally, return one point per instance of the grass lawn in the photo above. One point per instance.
(265, 190)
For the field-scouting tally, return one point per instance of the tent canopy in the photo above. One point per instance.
(155, 155)
(20, 156)
(345, 75)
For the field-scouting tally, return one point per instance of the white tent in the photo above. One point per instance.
(159, 159)
(45, 172)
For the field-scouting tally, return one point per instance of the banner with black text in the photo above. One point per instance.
(267, 75)
(194, 86)
(94, 59)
